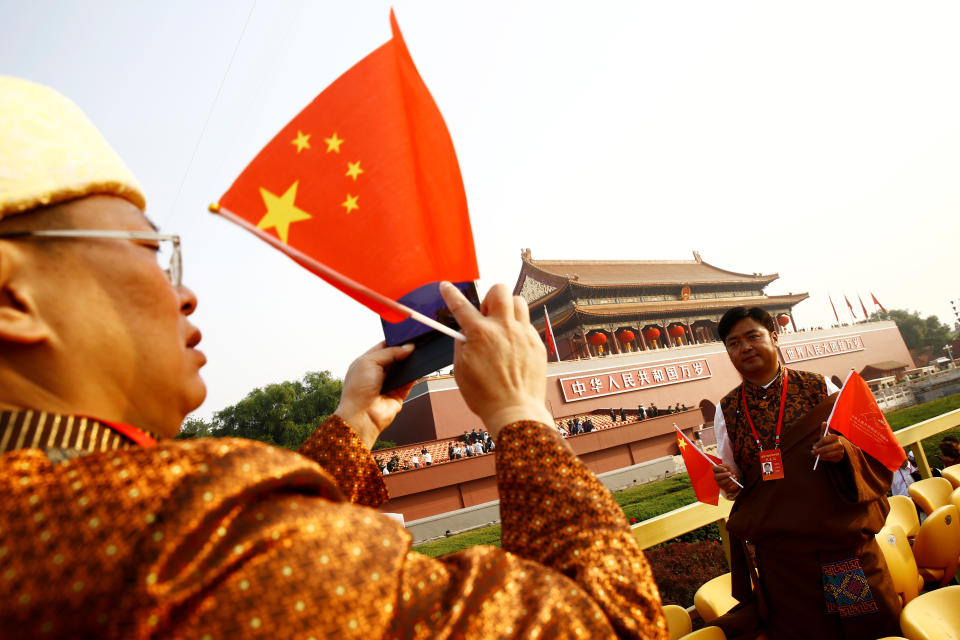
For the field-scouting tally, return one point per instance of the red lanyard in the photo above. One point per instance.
(783, 402)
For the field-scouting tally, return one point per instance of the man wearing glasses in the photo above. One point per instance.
(815, 565)
(110, 529)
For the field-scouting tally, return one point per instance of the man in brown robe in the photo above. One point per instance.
(821, 573)
(109, 529)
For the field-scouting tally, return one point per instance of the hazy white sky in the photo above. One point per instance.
(819, 140)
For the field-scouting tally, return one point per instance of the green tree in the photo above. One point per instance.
(282, 414)
(918, 333)
(193, 428)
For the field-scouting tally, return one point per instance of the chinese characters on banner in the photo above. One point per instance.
(626, 380)
(820, 348)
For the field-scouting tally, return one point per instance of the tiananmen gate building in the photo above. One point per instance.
(627, 333)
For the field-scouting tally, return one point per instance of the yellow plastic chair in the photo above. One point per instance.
(955, 498)
(713, 598)
(707, 633)
(678, 621)
(937, 546)
(903, 512)
(931, 494)
(952, 474)
(933, 616)
(900, 562)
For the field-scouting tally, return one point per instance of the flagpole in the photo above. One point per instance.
(830, 417)
(700, 451)
(338, 277)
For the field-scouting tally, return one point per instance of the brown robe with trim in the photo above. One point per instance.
(230, 538)
(813, 531)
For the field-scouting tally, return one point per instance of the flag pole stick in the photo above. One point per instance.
(700, 451)
(830, 417)
(330, 274)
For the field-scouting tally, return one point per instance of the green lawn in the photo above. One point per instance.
(650, 500)
(641, 503)
(911, 415)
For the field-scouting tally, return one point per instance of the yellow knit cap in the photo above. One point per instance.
(50, 152)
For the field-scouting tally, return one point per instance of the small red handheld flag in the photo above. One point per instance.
(364, 181)
(857, 416)
(700, 467)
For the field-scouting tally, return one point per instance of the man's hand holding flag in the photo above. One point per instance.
(700, 466)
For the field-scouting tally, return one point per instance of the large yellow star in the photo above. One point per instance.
(354, 170)
(333, 143)
(281, 211)
(682, 443)
(302, 141)
(350, 203)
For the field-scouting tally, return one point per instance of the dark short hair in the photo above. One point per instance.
(735, 315)
(949, 449)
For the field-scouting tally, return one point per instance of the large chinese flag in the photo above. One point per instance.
(857, 416)
(364, 181)
(700, 467)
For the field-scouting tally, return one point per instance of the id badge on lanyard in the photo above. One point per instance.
(771, 462)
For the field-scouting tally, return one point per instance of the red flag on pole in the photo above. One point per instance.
(548, 335)
(362, 187)
(700, 467)
(864, 307)
(877, 302)
(858, 417)
(834, 309)
(849, 306)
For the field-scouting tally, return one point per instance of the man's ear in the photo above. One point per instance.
(20, 319)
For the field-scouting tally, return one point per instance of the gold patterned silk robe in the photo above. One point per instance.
(227, 538)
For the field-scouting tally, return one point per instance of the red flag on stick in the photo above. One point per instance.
(551, 341)
(864, 307)
(700, 467)
(857, 416)
(362, 187)
(877, 302)
(834, 309)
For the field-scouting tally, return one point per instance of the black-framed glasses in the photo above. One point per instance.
(167, 246)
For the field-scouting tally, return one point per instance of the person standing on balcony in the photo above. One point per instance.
(821, 573)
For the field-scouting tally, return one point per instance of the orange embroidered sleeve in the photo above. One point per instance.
(336, 448)
(554, 511)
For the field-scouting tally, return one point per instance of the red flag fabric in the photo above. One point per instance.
(551, 342)
(857, 416)
(364, 180)
(877, 302)
(700, 467)
(834, 309)
(864, 307)
(849, 306)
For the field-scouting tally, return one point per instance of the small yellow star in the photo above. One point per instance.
(682, 443)
(302, 141)
(354, 170)
(350, 203)
(281, 211)
(333, 143)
